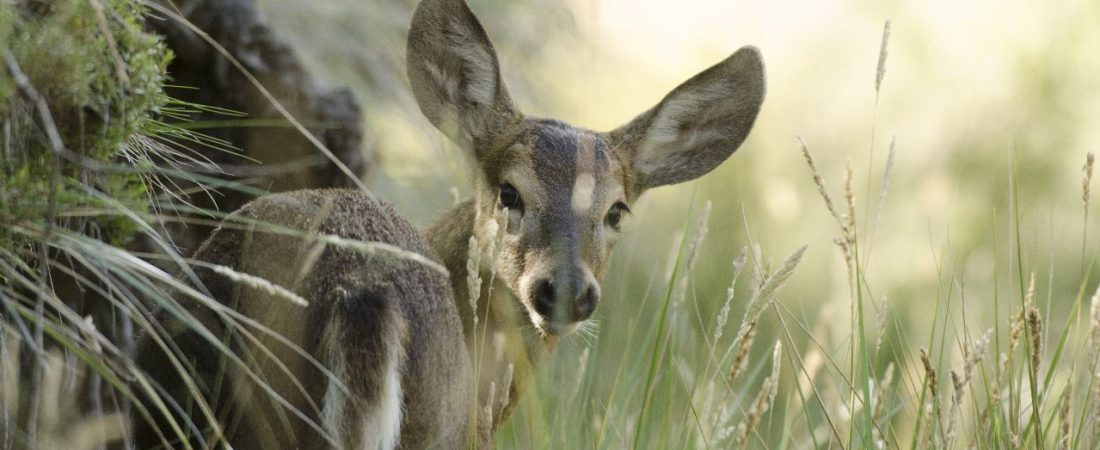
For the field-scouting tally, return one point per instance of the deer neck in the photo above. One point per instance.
(501, 335)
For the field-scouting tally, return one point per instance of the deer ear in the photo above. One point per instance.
(455, 76)
(696, 126)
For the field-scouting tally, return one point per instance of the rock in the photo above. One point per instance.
(274, 155)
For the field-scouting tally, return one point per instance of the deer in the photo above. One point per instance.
(431, 343)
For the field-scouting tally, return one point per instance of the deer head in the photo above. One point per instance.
(566, 190)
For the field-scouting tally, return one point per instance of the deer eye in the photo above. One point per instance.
(509, 197)
(615, 214)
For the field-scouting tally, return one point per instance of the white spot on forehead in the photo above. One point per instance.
(584, 190)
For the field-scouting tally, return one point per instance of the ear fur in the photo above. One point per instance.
(455, 75)
(696, 126)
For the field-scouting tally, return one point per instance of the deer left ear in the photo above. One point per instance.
(696, 126)
(455, 76)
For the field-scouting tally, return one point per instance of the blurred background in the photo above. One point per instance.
(980, 96)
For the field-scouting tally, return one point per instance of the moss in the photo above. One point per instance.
(102, 77)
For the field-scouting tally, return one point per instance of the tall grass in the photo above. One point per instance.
(1024, 377)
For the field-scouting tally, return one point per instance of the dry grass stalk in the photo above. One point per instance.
(959, 387)
(693, 252)
(884, 389)
(491, 247)
(848, 226)
(258, 283)
(850, 198)
(882, 53)
(379, 248)
(764, 399)
(846, 252)
(494, 248)
(1016, 327)
(975, 354)
(932, 382)
(501, 224)
(819, 181)
(878, 408)
(1035, 332)
(473, 285)
(769, 288)
(1086, 182)
(488, 410)
(1065, 419)
(473, 276)
(880, 322)
(972, 356)
(1029, 299)
(700, 233)
(885, 188)
(724, 312)
(742, 356)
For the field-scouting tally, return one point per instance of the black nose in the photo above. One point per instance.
(582, 299)
(584, 304)
(544, 298)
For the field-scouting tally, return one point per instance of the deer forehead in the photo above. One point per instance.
(560, 167)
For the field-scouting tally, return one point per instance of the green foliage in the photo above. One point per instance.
(101, 77)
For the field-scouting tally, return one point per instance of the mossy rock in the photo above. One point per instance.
(102, 78)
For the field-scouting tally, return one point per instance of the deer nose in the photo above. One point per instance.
(585, 303)
(578, 300)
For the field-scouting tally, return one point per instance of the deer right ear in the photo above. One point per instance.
(697, 125)
(455, 76)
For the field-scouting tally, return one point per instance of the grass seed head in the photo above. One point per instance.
(473, 275)
(819, 181)
(1086, 195)
(488, 410)
(1064, 416)
(764, 399)
(723, 313)
(850, 199)
(956, 401)
(260, 284)
(742, 356)
(930, 374)
(880, 73)
(1035, 332)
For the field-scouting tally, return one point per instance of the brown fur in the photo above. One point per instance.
(377, 302)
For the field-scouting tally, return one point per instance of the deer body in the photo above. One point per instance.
(390, 352)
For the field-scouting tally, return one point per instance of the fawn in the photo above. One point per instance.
(390, 353)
